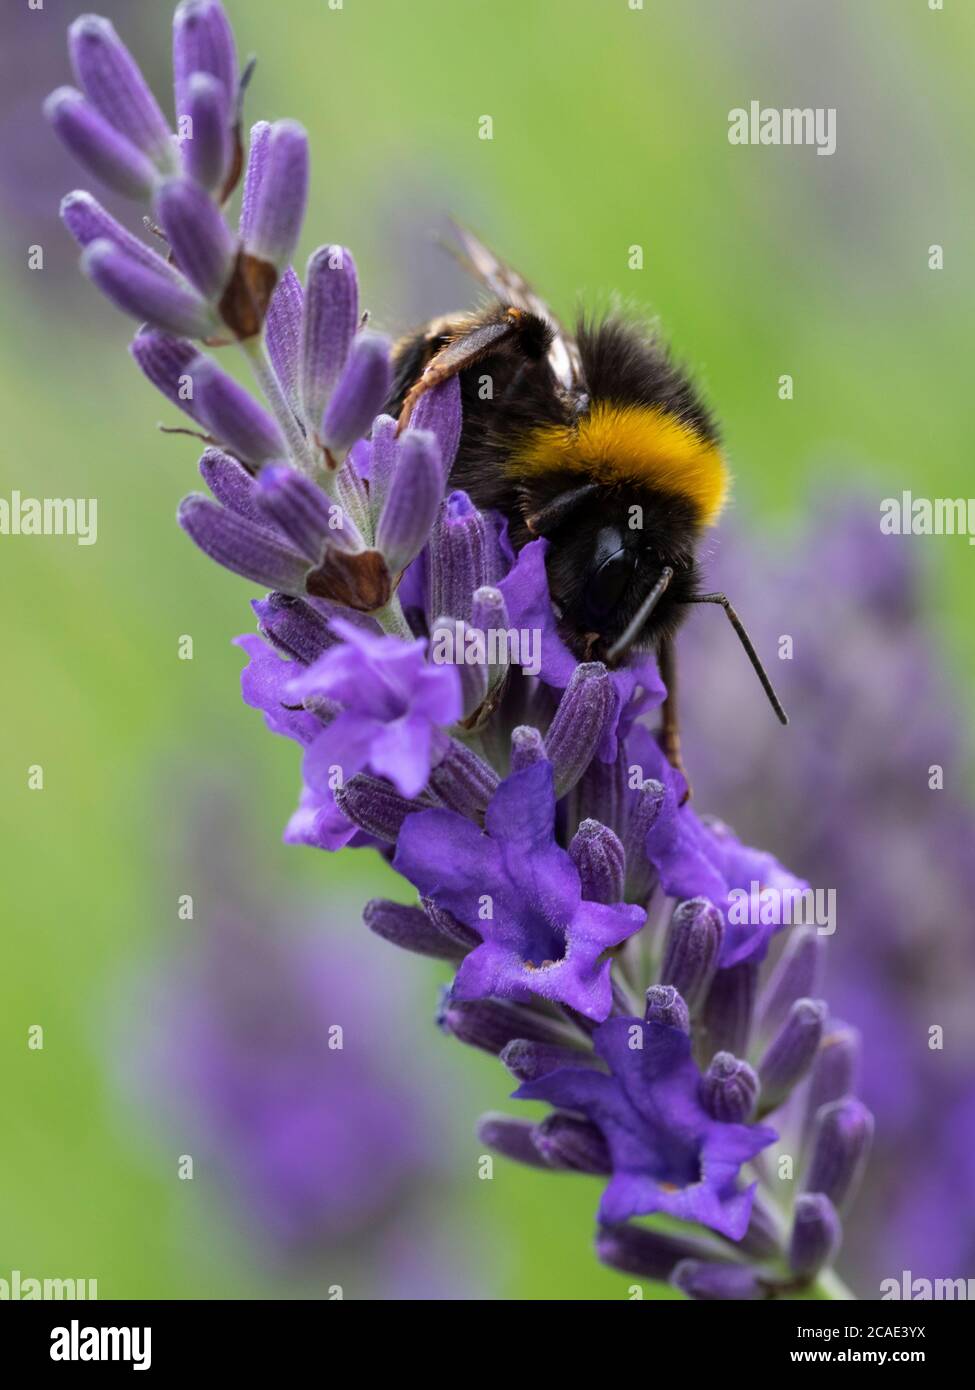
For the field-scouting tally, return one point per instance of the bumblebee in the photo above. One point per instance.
(600, 444)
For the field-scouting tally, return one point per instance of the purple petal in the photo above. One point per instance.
(263, 682)
(401, 753)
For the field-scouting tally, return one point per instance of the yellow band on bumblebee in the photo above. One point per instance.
(644, 445)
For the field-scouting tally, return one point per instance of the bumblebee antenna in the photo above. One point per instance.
(636, 624)
(750, 651)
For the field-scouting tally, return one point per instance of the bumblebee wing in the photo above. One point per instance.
(505, 282)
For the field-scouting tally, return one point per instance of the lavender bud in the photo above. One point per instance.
(293, 626)
(439, 411)
(489, 613)
(260, 137)
(113, 83)
(166, 301)
(273, 213)
(203, 41)
(643, 810)
(208, 147)
(360, 394)
(692, 949)
(383, 453)
(816, 1235)
(841, 1141)
(598, 855)
(527, 1061)
(763, 1238)
(707, 1280)
(463, 781)
(240, 546)
(665, 1006)
(375, 806)
(463, 557)
(490, 1024)
(412, 500)
(231, 484)
(200, 238)
(835, 1069)
(728, 1008)
(448, 924)
(409, 928)
(87, 221)
(168, 363)
(98, 146)
(790, 1053)
(233, 416)
(796, 976)
(574, 1144)
(647, 1254)
(282, 333)
(296, 505)
(579, 723)
(511, 1138)
(329, 327)
(527, 748)
(834, 1072)
(729, 1089)
(452, 642)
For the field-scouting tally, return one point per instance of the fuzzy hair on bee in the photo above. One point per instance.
(599, 442)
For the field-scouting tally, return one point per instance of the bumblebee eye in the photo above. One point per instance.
(607, 583)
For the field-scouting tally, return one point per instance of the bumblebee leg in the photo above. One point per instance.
(463, 352)
(669, 726)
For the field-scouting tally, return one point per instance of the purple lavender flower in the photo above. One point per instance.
(520, 891)
(390, 701)
(560, 868)
(668, 1153)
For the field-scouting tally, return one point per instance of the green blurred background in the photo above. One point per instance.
(610, 130)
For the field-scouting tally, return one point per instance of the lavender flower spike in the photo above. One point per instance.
(560, 871)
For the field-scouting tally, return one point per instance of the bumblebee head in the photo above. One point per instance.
(603, 568)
